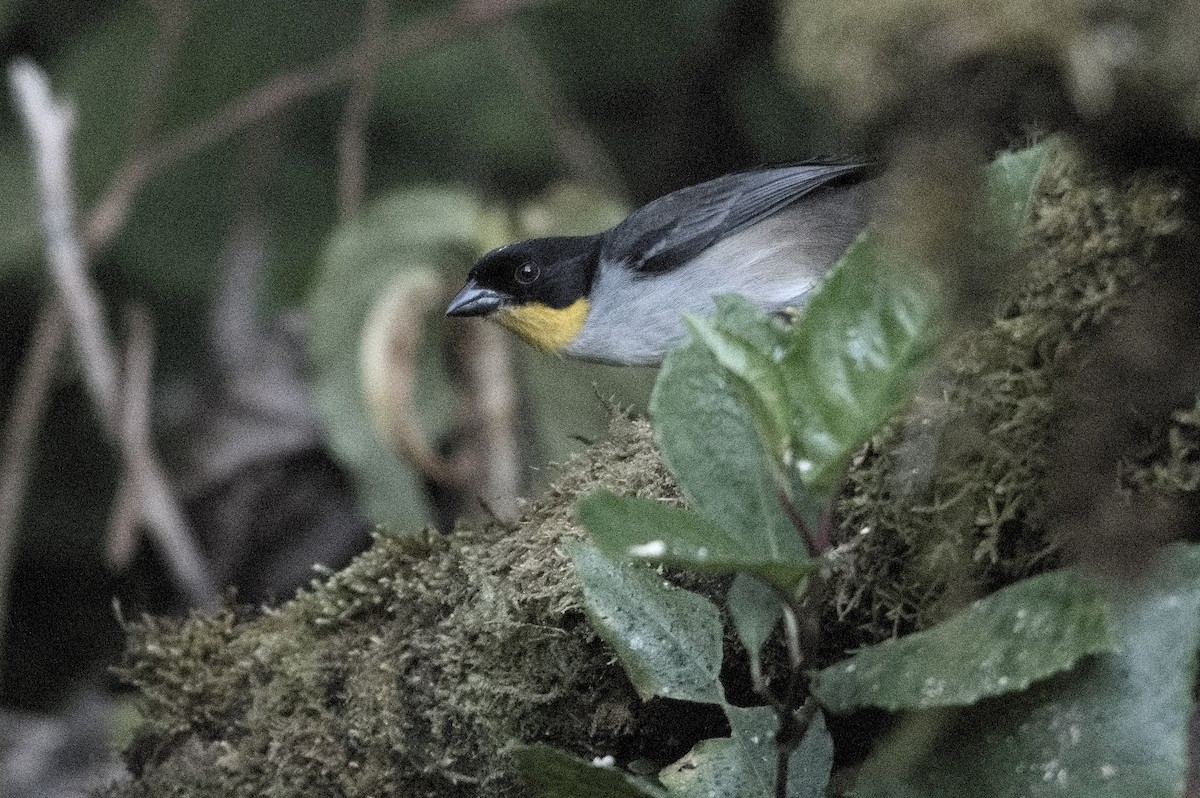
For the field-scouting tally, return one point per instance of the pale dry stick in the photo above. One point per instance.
(352, 137)
(37, 372)
(486, 405)
(491, 370)
(50, 125)
(134, 433)
(34, 380)
(110, 211)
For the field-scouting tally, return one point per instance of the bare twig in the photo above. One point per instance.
(495, 407)
(134, 432)
(792, 728)
(352, 139)
(20, 434)
(485, 403)
(171, 23)
(793, 514)
(50, 124)
(109, 213)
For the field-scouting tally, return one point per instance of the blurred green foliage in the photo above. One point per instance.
(453, 116)
(415, 231)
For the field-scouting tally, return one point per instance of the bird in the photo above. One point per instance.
(619, 296)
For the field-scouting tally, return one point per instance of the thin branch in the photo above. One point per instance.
(792, 728)
(109, 213)
(34, 380)
(134, 435)
(793, 514)
(50, 125)
(171, 23)
(20, 434)
(352, 138)
(490, 365)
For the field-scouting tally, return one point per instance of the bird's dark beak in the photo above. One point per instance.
(474, 300)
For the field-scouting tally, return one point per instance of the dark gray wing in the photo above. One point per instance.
(673, 229)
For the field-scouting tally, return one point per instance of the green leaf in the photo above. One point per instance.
(855, 357)
(555, 774)
(407, 234)
(1115, 726)
(667, 639)
(708, 439)
(644, 529)
(1011, 180)
(743, 764)
(756, 379)
(1000, 644)
(755, 610)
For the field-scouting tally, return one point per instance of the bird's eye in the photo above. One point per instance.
(527, 272)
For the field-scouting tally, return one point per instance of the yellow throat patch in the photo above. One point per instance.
(549, 329)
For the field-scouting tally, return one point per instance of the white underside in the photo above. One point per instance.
(775, 264)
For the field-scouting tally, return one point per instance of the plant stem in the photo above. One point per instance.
(793, 514)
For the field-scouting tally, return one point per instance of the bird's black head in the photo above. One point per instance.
(537, 288)
(554, 272)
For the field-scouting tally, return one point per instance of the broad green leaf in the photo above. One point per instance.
(667, 639)
(1011, 180)
(1115, 726)
(644, 529)
(743, 765)
(1000, 644)
(551, 773)
(755, 610)
(708, 440)
(425, 229)
(755, 377)
(855, 357)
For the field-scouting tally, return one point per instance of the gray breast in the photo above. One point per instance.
(638, 319)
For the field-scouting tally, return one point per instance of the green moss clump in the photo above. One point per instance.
(408, 673)
(951, 503)
(1169, 462)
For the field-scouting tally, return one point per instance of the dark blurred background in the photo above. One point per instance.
(251, 176)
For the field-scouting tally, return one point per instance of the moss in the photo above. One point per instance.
(408, 673)
(1169, 462)
(952, 503)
